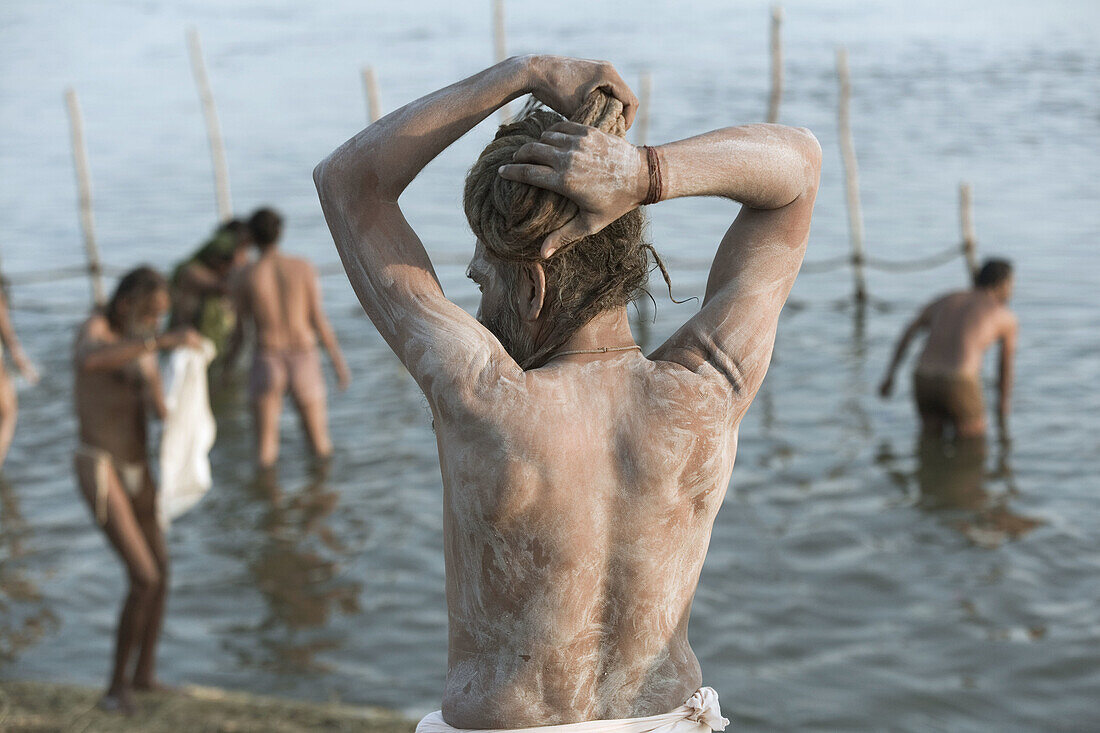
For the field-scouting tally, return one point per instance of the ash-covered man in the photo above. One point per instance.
(581, 478)
(117, 387)
(961, 327)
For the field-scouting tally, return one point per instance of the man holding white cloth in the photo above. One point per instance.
(581, 478)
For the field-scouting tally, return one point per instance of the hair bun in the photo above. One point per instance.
(602, 111)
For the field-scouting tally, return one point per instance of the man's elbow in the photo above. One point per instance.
(323, 179)
(811, 154)
(337, 183)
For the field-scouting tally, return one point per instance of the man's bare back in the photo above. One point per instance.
(578, 495)
(961, 327)
(570, 581)
(280, 294)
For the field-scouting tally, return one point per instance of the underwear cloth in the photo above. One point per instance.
(276, 370)
(130, 473)
(952, 396)
(700, 714)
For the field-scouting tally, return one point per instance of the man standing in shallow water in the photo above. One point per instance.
(279, 297)
(581, 479)
(961, 326)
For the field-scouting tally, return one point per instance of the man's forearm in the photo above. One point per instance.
(899, 353)
(332, 346)
(118, 355)
(1005, 385)
(761, 166)
(386, 156)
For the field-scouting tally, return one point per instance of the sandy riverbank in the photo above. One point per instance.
(41, 707)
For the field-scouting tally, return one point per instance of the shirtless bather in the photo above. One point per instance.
(580, 477)
(961, 327)
(117, 384)
(281, 298)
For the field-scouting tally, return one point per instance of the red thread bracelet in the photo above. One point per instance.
(653, 195)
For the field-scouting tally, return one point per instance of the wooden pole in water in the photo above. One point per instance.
(851, 173)
(777, 64)
(966, 221)
(370, 83)
(500, 48)
(84, 189)
(213, 127)
(641, 121)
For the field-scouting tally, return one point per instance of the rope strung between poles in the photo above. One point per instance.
(57, 274)
(834, 263)
(34, 277)
(921, 263)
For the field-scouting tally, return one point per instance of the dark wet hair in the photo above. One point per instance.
(223, 243)
(266, 225)
(992, 273)
(138, 284)
(237, 229)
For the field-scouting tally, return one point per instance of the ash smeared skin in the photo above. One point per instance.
(578, 497)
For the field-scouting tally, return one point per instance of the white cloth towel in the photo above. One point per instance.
(188, 432)
(700, 714)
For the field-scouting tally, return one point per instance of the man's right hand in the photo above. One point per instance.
(563, 83)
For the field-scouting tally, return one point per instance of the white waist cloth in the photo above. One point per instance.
(699, 714)
(188, 433)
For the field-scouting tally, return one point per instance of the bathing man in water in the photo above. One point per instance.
(280, 298)
(581, 478)
(961, 327)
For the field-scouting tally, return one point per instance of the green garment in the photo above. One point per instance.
(214, 317)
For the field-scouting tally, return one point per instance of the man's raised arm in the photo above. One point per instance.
(773, 172)
(360, 182)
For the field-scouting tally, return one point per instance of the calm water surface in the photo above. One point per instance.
(856, 580)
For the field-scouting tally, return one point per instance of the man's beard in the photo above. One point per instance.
(506, 325)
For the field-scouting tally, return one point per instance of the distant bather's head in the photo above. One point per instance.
(227, 247)
(265, 226)
(139, 304)
(533, 305)
(995, 275)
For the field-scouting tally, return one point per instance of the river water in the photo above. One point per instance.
(855, 581)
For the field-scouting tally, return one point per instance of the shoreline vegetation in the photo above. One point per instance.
(38, 707)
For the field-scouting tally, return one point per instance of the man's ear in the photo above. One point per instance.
(532, 290)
